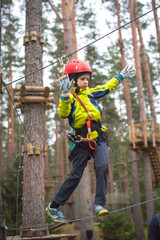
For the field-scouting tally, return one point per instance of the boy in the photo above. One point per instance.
(90, 138)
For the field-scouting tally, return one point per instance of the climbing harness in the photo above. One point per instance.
(88, 123)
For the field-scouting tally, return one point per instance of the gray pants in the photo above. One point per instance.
(79, 162)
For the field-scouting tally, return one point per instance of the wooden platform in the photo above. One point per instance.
(146, 136)
(49, 237)
(143, 135)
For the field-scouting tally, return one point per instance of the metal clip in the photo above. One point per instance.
(63, 61)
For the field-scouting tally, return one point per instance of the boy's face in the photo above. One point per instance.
(82, 81)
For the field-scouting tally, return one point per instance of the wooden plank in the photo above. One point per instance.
(153, 134)
(139, 133)
(45, 150)
(49, 237)
(145, 135)
(29, 148)
(26, 38)
(33, 99)
(34, 88)
(39, 233)
(138, 125)
(37, 148)
(42, 38)
(157, 135)
(157, 127)
(33, 36)
(148, 123)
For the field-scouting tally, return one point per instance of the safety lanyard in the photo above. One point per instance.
(88, 122)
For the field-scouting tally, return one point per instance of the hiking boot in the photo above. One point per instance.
(99, 210)
(55, 214)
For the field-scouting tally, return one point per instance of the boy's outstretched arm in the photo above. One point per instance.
(101, 90)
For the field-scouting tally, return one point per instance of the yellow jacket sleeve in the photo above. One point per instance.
(64, 107)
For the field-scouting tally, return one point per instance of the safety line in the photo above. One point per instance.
(18, 177)
(16, 111)
(40, 69)
(81, 219)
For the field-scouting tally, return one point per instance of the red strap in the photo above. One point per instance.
(80, 101)
(88, 122)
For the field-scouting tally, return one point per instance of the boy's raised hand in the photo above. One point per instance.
(129, 71)
(65, 84)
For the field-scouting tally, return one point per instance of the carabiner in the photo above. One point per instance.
(62, 62)
(95, 144)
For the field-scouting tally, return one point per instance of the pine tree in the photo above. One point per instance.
(33, 174)
(1, 168)
(132, 154)
(146, 158)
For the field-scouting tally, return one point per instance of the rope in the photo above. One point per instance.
(18, 177)
(15, 109)
(40, 69)
(81, 219)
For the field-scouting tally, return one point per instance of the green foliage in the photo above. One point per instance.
(11, 27)
(117, 227)
(11, 199)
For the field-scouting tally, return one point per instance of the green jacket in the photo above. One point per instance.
(71, 108)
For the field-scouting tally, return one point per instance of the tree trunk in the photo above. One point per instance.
(1, 165)
(83, 206)
(10, 130)
(133, 156)
(138, 220)
(47, 176)
(33, 172)
(57, 155)
(68, 11)
(156, 23)
(149, 194)
(146, 68)
(148, 185)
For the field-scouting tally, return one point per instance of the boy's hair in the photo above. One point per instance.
(75, 76)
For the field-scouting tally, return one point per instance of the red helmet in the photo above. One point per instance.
(77, 66)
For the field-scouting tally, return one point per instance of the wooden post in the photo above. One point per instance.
(153, 134)
(144, 129)
(29, 148)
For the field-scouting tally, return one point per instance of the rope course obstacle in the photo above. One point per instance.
(34, 94)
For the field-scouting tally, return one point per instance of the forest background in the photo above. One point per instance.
(93, 20)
